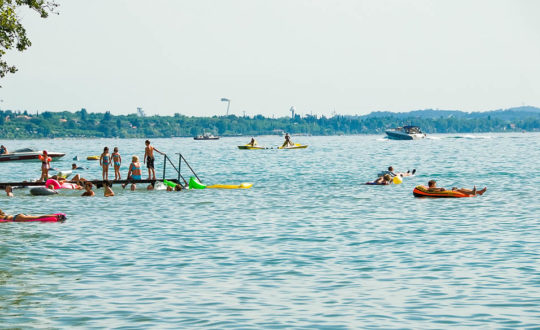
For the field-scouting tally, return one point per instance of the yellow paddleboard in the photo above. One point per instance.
(248, 147)
(244, 185)
(296, 146)
(92, 158)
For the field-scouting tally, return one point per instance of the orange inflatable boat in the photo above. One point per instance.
(422, 191)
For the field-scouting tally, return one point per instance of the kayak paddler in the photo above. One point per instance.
(288, 142)
(252, 143)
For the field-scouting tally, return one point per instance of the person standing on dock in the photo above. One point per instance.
(105, 162)
(149, 159)
(45, 165)
(117, 162)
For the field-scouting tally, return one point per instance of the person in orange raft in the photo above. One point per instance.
(432, 187)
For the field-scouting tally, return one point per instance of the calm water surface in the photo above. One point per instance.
(307, 246)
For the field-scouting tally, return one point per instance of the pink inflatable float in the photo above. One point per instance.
(59, 217)
(53, 184)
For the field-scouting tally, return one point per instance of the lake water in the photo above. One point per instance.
(307, 246)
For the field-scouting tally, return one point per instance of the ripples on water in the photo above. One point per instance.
(307, 246)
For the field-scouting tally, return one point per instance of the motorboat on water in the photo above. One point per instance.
(405, 133)
(28, 154)
(206, 136)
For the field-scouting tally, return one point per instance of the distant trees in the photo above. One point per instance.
(85, 124)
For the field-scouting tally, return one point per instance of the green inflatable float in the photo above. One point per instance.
(169, 183)
(195, 184)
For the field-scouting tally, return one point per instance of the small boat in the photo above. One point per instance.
(28, 154)
(295, 146)
(405, 133)
(206, 136)
(92, 158)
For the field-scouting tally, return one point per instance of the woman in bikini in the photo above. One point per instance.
(23, 217)
(134, 172)
(105, 162)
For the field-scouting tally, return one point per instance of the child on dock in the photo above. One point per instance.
(117, 161)
(149, 159)
(45, 165)
(105, 162)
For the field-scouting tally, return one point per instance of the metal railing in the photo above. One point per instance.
(179, 168)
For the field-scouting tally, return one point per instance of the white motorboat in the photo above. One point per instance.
(28, 154)
(206, 136)
(405, 133)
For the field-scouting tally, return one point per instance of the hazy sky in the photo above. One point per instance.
(350, 56)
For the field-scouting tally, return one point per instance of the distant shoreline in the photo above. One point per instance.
(383, 135)
(82, 124)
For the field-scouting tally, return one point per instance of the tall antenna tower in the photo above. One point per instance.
(140, 112)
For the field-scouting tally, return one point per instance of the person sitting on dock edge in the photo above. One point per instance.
(134, 172)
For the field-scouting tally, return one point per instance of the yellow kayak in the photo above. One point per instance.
(244, 185)
(296, 146)
(249, 147)
(92, 158)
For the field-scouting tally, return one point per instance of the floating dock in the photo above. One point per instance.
(97, 183)
(101, 183)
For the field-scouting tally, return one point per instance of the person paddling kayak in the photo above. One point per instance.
(288, 142)
(252, 143)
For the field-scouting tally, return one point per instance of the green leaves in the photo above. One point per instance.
(12, 32)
